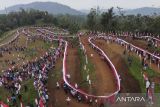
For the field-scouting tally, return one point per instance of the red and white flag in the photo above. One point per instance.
(41, 104)
(3, 105)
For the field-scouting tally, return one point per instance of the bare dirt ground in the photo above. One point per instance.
(73, 64)
(105, 81)
(139, 43)
(115, 53)
(58, 96)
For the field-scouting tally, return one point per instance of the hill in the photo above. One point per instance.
(142, 11)
(51, 7)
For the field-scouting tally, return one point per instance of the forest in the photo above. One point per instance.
(94, 21)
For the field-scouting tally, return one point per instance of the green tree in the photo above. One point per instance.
(108, 20)
(91, 20)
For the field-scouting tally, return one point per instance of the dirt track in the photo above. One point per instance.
(115, 53)
(143, 44)
(138, 43)
(73, 64)
(58, 97)
(105, 82)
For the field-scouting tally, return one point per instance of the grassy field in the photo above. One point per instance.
(5, 37)
(33, 50)
(31, 94)
(28, 97)
(136, 70)
(4, 94)
(90, 70)
(37, 48)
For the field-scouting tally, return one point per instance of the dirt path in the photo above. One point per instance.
(115, 53)
(58, 96)
(137, 42)
(73, 64)
(105, 82)
(143, 44)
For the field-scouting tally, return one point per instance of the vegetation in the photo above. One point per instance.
(30, 95)
(136, 70)
(108, 21)
(90, 70)
(31, 51)
(94, 21)
(32, 17)
(83, 73)
(4, 94)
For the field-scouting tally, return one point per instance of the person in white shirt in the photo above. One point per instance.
(57, 85)
(1, 84)
(147, 87)
(68, 100)
(147, 84)
(89, 82)
(36, 102)
(68, 76)
(76, 85)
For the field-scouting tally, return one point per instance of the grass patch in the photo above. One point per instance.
(135, 69)
(6, 35)
(90, 70)
(31, 94)
(34, 48)
(4, 94)
(157, 93)
(157, 88)
(30, 53)
(46, 45)
(151, 73)
(55, 74)
(27, 97)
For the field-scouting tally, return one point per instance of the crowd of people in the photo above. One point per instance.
(112, 36)
(71, 91)
(152, 40)
(142, 55)
(12, 79)
(82, 97)
(9, 50)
